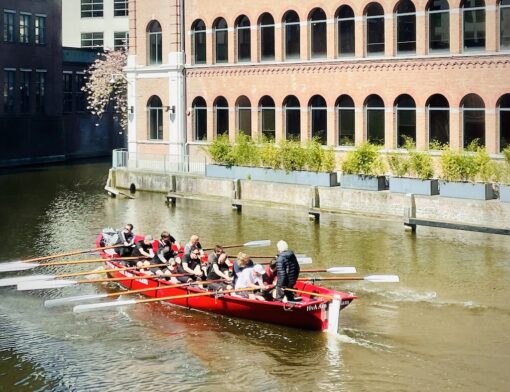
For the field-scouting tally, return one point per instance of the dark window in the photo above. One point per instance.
(345, 120)
(243, 35)
(199, 107)
(40, 92)
(504, 24)
(345, 31)
(319, 119)
(438, 121)
(91, 8)
(92, 40)
(374, 117)
(243, 109)
(155, 43)
(222, 115)
(473, 119)
(9, 26)
(120, 7)
(120, 40)
(318, 36)
(80, 102)
(406, 27)
(68, 92)
(292, 40)
(155, 109)
(473, 12)
(24, 89)
(405, 108)
(266, 27)
(24, 28)
(439, 25)
(40, 30)
(267, 117)
(504, 121)
(292, 110)
(198, 35)
(374, 17)
(221, 41)
(9, 91)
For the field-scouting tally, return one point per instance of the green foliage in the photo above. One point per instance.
(474, 146)
(458, 166)
(408, 143)
(399, 164)
(245, 151)
(486, 166)
(363, 160)
(437, 145)
(328, 160)
(421, 165)
(294, 156)
(220, 151)
(506, 155)
(270, 155)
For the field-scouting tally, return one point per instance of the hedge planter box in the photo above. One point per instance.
(414, 185)
(367, 183)
(504, 193)
(271, 175)
(466, 190)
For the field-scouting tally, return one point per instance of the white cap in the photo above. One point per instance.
(259, 269)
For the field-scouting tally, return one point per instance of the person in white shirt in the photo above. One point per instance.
(251, 278)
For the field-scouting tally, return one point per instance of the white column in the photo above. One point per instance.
(177, 99)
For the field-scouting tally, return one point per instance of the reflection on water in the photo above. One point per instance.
(444, 327)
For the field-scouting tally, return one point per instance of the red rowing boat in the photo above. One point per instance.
(312, 312)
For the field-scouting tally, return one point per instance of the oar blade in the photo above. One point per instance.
(304, 260)
(101, 306)
(342, 270)
(19, 279)
(51, 303)
(16, 266)
(257, 244)
(382, 278)
(44, 284)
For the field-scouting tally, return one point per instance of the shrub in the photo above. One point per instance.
(363, 160)
(294, 156)
(220, 151)
(408, 143)
(458, 166)
(270, 155)
(506, 155)
(486, 167)
(399, 164)
(328, 160)
(421, 165)
(245, 151)
(437, 145)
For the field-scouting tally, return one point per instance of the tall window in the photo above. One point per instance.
(155, 43)
(374, 119)
(155, 110)
(221, 41)
(473, 119)
(91, 8)
(406, 27)
(243, 111)
(120, 7)
(198, 37)
(405, 108)
(267, 112)
(504, 24)
(439, 25)
(40, 91)
(199, 108)
(473, 24)
(24, 88)
(221, 116)
(345, 120)
(319, 118)
(438, 121)
(266, 26)
(243, 36)
(345, 31)
(374, 29)
(9, 91)
(291, 31)
(120, 40)
(318, 36)
(292, 115)
(80, 102)
(24, 28)
(92, 40)
(40, 30)
(504, 121)
(67, 79)
(9, 26)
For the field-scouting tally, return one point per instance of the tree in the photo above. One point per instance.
(106, 85)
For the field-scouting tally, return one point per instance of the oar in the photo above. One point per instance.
(75, 252)
(332, 270)
(369, 278)
(89, 307)
(301, 261)
(50, 303)
(22, 266)
(250, 244)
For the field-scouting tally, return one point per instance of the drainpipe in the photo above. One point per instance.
(183, 98)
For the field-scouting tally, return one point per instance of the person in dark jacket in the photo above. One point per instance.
(287, 271)
(126, 238)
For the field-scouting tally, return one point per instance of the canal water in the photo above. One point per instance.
(445, 327)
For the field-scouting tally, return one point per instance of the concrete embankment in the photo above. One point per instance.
(491, 213)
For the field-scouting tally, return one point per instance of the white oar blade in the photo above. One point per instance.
(91, 307)
(51, 303)
(304, 260)
(382, 278)
(257, 244)
(44, 284)
(341, 270)
(16, 266)
(14, 281)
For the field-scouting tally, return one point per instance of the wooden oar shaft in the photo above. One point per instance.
(72, 262)
(333, 278)
(327, 296)
(76, 252)
(141, 301)
(105, 271)
(161, 287)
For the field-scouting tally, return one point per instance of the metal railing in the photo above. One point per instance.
(165, 163)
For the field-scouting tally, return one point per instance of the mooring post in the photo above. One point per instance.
(410, 211)
(313, 210)
(334, 314)
(236, 195)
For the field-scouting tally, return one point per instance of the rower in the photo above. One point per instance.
(219, 266)
(243, 261)
(143, 248)
(127, 238)
(164, 255)
(194, 243)
(251, 277)
(190, 265)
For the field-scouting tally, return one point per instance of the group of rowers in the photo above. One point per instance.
(188, 264)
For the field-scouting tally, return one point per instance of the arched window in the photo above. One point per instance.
(266, 28)
(198, 42)
(155, 43)
(318, 37)
(405, 108)
(438, 121)
(473, 24)
(243, 111)
(199, 119)
(345, 120)
(291, 31)
(406, 27)
(319, 119)
(243, 36)
(267, 112)
(220, 41)
(221, 116)
(438, 13)
(473, 119)
(374, 29)
(155, 110)
(504, 121)
(504, 25)
(292, 115)
(374, 119)
(345, 31)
